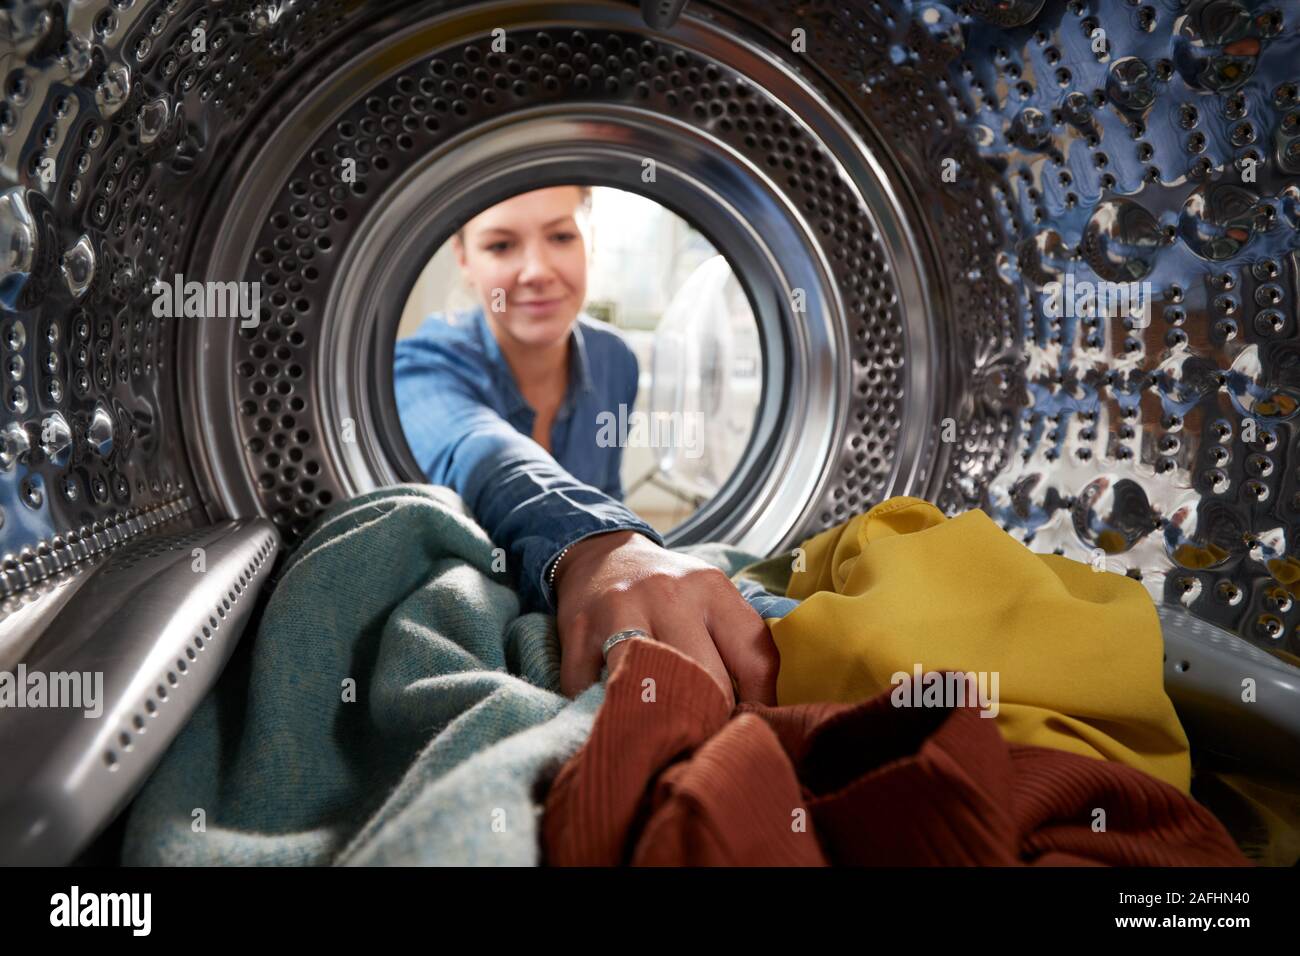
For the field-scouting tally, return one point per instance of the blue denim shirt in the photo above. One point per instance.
(470, 429)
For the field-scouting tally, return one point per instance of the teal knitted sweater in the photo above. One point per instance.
(392, 707)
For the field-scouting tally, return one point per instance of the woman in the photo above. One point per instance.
(549, 368)
(502, 408)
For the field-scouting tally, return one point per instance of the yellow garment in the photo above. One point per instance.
(1078, 652)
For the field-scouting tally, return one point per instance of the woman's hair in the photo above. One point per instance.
(586, 204)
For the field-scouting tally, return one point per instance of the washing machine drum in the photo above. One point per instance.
(1020, 255)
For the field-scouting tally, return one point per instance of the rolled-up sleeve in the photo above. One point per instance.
(514, 488)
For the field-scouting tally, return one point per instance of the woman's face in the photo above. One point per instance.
(526, 260)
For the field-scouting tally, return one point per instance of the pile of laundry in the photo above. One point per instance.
(395, 707)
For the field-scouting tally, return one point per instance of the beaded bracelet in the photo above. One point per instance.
(550, 580)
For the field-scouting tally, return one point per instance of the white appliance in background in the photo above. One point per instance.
(705, 367)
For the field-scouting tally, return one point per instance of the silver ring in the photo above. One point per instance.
(621, 636)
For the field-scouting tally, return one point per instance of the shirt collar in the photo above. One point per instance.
(579, 372)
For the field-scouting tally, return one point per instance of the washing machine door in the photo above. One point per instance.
(1027, 256)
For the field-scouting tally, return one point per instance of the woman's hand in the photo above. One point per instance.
(622, 579)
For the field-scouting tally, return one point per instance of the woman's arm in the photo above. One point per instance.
(514, 487)
(616, 573)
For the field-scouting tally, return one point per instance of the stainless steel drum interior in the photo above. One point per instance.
(921, 172)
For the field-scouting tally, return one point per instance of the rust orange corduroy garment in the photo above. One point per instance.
(670, 777)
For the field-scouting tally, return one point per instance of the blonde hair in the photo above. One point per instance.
(584, 191)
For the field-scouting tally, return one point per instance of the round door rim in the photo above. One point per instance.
(771, 518)
(799, 361)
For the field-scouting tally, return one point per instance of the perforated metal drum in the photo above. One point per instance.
(950, 188)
